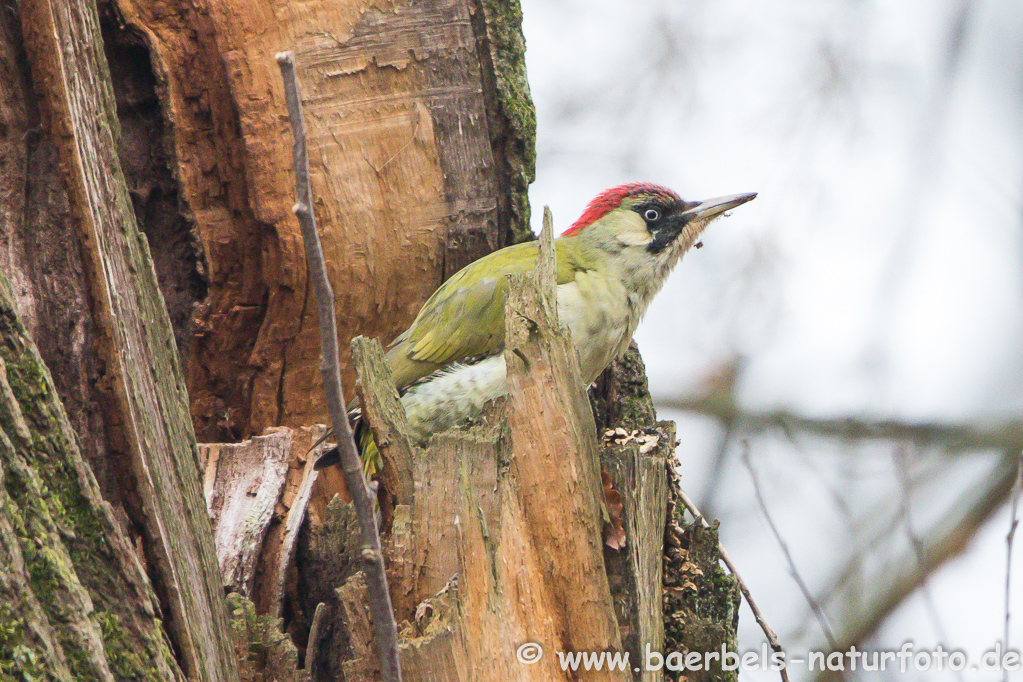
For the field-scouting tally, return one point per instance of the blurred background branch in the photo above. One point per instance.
(951, 438)
(877, 281)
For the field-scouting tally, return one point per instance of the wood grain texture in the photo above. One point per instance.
(279, 560)
(636, 572)
(258, 494)
(555, 462)
(640, 475)
(243, 483)
(62, 40)
(404, 125)
(40, 256)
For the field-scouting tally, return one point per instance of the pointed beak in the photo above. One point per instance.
(718, 205)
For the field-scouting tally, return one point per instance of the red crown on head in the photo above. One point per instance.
(610, 199)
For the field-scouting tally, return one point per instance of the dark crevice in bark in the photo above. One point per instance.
(155, 193)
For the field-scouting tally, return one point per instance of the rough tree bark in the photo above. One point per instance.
(75, 603)
(145, 410)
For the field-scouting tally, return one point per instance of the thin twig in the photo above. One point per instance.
(905, 480)
(373, 559)
(717, 471)
(947, 539)
(887, 523)
(814, 606)
(1017, 489)
(772, 638)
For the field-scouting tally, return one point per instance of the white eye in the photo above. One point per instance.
(652, 214)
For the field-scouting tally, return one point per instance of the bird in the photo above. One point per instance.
(611, 262)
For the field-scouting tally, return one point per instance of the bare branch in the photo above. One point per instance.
(772, 638)
(1006, 435)
(376, 579)
(946, 541)
(905, 480)
(814, 606)
(1013, 523)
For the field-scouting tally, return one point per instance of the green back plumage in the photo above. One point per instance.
(465, 316)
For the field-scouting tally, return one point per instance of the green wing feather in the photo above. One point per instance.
(465, 316)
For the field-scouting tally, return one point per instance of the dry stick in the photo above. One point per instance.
(952, 438)
(772, 638)
(1017, 490)
(814, 606)
(373, 559)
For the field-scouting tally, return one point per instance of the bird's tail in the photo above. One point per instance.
(368, 451)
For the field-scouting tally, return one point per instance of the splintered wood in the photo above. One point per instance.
(495, 529)
(242, 484)
(258, 494)
(498, 542)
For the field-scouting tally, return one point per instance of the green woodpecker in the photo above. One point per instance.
(610, 263)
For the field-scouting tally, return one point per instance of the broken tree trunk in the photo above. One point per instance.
(496, 540)
(700, 607)
(149, 418)
(420, 140)
(497, 544)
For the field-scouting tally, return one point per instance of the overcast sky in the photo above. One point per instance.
(878, 273)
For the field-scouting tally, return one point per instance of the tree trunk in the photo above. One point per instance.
(75, 603)
(144, 404)
(420, 140)
(421, 143)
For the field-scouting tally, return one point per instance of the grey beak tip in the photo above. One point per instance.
(718, 205)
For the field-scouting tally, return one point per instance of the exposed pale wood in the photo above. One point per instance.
(258, 494)
(458, 475)
(434, 648)
(422, 542)
(243, 483)
(512, 507)
(62, 41)
(73, 598)
(296, 499)
(420, 159)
